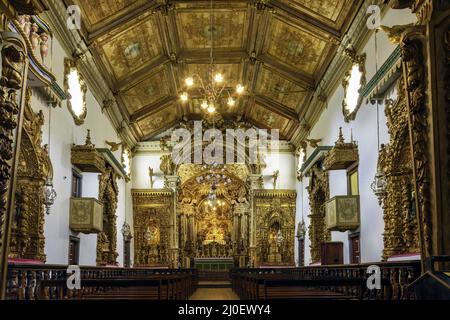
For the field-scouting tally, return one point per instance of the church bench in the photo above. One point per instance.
(29, 282)
(339, 281)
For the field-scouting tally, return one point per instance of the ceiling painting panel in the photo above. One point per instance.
(146, 92)
(329, 9)
(269, 119)
(157, 121)
(228, 31)
(276, 87)
(295, 47)
(100, 10)
(132, 48)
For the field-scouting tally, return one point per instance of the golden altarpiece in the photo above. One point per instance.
(180, 226)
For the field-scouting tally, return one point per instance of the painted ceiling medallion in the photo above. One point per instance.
(76, 88)
(354, 81)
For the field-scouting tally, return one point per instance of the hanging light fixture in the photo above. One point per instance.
(49, 191)
(212, 88)
(379, 183)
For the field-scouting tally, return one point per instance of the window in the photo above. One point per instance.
(76, 184)
(126, 161)
(74, 250)
(354, 81)
(76, 90)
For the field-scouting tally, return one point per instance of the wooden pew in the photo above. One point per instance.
(325, 282)
(30, 282)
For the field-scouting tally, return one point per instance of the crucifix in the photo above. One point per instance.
(150, 173)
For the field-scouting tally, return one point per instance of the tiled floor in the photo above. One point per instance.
(214, 294)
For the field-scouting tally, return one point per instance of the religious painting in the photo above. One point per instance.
(273, 85)
(157, 121)
(98, 11)
(229, 28)
(132, 48)
(268, 118)
(295, 47)
(146, 92)
(329, 9)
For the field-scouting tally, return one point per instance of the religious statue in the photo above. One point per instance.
(150, 173)
(275, 178)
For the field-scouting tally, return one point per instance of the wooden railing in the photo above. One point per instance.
(49, 282)
(336, 282)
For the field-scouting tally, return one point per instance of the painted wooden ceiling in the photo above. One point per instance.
(278, 49)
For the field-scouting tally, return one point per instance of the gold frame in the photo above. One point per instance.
(125, 148)
(70, 65)
(359, 60)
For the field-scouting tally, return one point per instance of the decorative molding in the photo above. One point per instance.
(389, 72)
(107, 239)
(399, 212)
(360, 61)
(319, 193)
(69, 66)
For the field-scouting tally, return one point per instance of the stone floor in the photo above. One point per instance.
(214, 294)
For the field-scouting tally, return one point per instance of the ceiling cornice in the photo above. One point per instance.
(72, 42)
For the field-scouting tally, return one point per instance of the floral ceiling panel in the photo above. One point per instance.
(278, 88)
(297, 48)
(149, 90)
(229, 29)
(155, 122)
(131, 49)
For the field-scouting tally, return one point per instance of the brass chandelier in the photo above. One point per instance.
(211, 88)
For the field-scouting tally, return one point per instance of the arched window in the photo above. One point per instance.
(76, 89)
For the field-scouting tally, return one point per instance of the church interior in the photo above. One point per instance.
(257, 149)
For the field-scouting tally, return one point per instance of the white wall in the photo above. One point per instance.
(364, 130)
(64, 133)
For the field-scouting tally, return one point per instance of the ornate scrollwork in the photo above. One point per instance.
(152, 210)
(275, 221)
(358, 61)
(11, 80)
(414, 72)
(70, 70)
(319, 193)
(27, 238)
(399, 211)
(107, 240)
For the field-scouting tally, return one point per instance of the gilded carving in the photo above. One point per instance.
(27, 233)
(152, 211)
(342, 155)
(319, 193)
(399, 210)
(350, 107)
(414, 74)
(74, 84)
(274, 212)
(107, 239)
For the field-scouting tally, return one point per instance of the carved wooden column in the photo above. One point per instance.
(172, 183)
(425, 60)
(12, 95)
(254, 183)
(319, 193)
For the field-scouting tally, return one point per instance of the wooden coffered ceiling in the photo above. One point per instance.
(278, 49)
